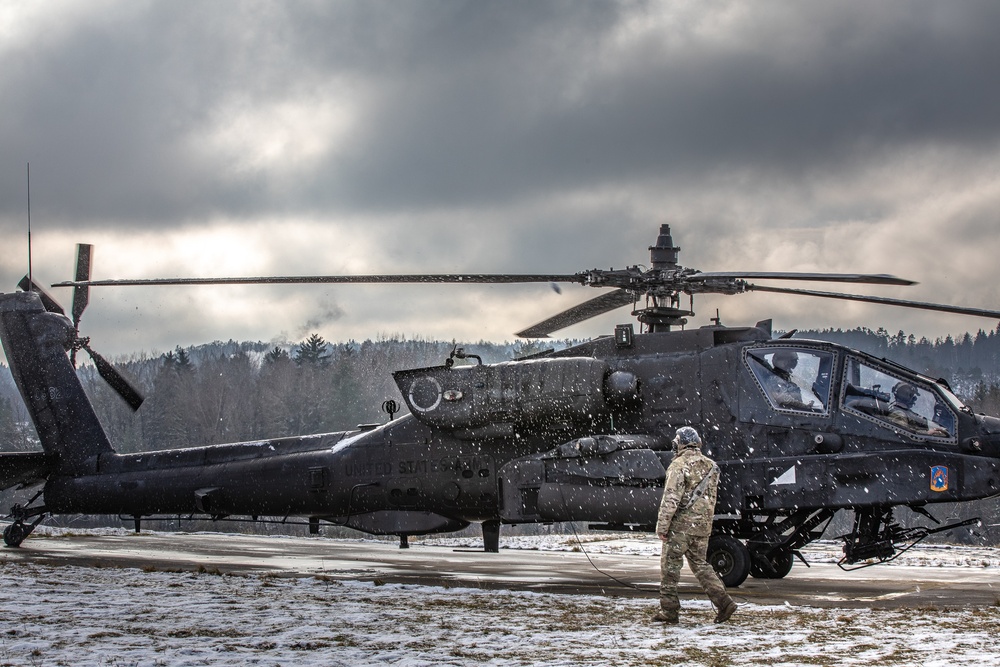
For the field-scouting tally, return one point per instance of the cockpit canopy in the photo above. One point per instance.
(797, 379)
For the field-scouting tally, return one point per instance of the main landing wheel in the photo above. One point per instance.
(15, 533)
(775, 566)
(730, 559)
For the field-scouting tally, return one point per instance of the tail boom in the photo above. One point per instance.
(36, 342)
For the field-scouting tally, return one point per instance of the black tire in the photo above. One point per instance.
(15, 533)
(730, 559)
(780, 565)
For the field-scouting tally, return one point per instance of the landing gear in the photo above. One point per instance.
(733, 561)
(16, 532)
(777, 565)
(491, 537)
(730, 559)
(773, 541)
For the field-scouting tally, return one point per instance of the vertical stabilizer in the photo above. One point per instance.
(36, 342)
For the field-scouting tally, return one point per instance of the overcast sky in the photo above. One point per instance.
(250, 138)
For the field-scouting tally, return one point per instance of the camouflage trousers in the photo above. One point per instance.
(676, 547)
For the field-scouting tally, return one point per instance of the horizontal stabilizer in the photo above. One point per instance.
(24, 468)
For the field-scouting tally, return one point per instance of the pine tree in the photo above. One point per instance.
(312, 351)
(277, 355)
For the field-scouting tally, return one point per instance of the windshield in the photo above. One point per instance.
(897, 402)
(793, 378)
(954, 400)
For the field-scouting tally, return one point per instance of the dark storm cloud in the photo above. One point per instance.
(101, 109)
(211, 138)
(106, 109)
(793, 87)
(471, 103)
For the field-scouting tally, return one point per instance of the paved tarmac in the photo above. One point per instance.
(822, 585)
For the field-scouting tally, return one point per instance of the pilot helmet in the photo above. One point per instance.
(686, 437)
(785, 360)
(905, 393)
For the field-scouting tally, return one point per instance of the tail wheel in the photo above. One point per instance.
(15, 533)
(775, 566)
(730, 559)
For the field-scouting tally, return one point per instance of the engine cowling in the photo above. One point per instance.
(515, 393)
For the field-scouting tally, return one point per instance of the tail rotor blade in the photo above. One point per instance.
(116, 380)
(81, 293)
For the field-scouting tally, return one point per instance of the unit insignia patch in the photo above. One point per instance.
(939, 478)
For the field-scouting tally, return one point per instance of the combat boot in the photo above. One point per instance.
(668, 617)
(726, 611)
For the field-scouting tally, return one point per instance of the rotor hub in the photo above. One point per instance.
(662, 318)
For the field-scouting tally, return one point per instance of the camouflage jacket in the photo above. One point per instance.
(677, 513)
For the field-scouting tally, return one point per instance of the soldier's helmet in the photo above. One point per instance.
(785, 360)
(906, 394)
(687, 437)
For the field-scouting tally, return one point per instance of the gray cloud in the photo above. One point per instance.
(517, 136)
(466, 103)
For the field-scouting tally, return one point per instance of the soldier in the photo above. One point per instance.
(685, 524)
(901, 411)
(780, 384)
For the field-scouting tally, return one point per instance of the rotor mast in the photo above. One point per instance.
(663, 311)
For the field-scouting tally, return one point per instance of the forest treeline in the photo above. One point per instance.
(236, 391)
(240, 391)
(970, 363)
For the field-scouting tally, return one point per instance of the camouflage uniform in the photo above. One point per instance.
(901, 415)
(685, 527)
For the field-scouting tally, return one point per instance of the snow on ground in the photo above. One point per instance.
(823, 551)
(641, 544)
(123, 617)
(119, 617)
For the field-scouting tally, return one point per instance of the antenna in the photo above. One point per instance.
(30, 283)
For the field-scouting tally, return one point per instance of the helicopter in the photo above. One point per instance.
(801, 429)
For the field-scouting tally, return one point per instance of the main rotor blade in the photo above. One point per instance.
(81, 293)
(578, 313)
(468, 278)
(116, 380)
(866, 278)
(944, 308)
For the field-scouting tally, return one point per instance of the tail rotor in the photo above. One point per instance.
(115, 380)
(81, 293)
(81, 297)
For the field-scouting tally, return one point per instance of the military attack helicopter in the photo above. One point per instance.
(801, 429)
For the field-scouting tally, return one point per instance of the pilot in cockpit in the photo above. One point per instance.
(780, 385)
(902, 412)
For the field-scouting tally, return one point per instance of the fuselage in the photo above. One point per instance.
(503, 442)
